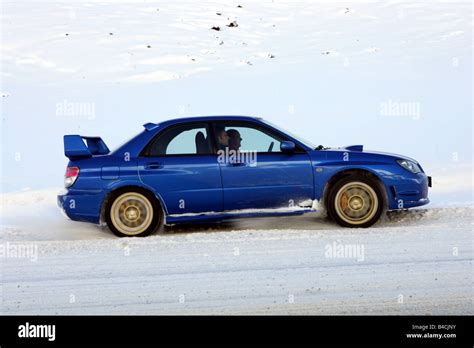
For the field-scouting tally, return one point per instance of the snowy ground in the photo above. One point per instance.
(412, 262)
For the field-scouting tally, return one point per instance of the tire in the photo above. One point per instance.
(356, 201)
(133, 213)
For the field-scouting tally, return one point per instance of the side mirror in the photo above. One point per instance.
(287, 146)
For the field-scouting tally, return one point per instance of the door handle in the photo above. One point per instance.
(237, 164)
(153, 165)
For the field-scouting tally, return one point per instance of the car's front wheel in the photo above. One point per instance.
(355, 201)
(133, 213)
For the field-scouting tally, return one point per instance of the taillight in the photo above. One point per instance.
(71, 175)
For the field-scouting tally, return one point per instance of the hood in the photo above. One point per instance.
(360, 148)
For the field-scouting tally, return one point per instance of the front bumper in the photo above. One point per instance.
(81, 205)
(408, 191)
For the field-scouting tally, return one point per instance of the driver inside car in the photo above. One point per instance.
(222, 139)
(234, 139)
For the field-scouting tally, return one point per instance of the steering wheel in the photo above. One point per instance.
(270, 148)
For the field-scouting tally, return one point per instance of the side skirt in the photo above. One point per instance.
(231, 215)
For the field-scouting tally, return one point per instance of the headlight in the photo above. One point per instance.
(410, 166)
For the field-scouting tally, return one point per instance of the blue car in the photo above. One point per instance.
(212, 168)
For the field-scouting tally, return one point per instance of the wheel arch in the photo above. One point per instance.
(350, 171)
(129, 187)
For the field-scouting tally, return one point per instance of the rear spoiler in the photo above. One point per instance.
(77, 146)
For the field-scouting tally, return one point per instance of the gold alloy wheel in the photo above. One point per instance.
(356, 203)
(131, 213)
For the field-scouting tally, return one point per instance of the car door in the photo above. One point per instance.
(260, 175)
(180, 165)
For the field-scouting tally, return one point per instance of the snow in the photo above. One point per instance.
(308, 66)
(412, 262)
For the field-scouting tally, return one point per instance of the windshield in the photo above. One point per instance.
(301, 140)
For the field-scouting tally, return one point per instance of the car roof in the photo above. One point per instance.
(216, 117)
(207, 118)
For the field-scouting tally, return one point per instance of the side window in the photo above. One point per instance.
(245, 137)
(181, 140)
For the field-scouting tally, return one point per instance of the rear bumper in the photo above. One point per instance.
(81, 205)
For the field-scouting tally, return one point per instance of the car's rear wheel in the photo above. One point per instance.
(355, 201)
(133, 213)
